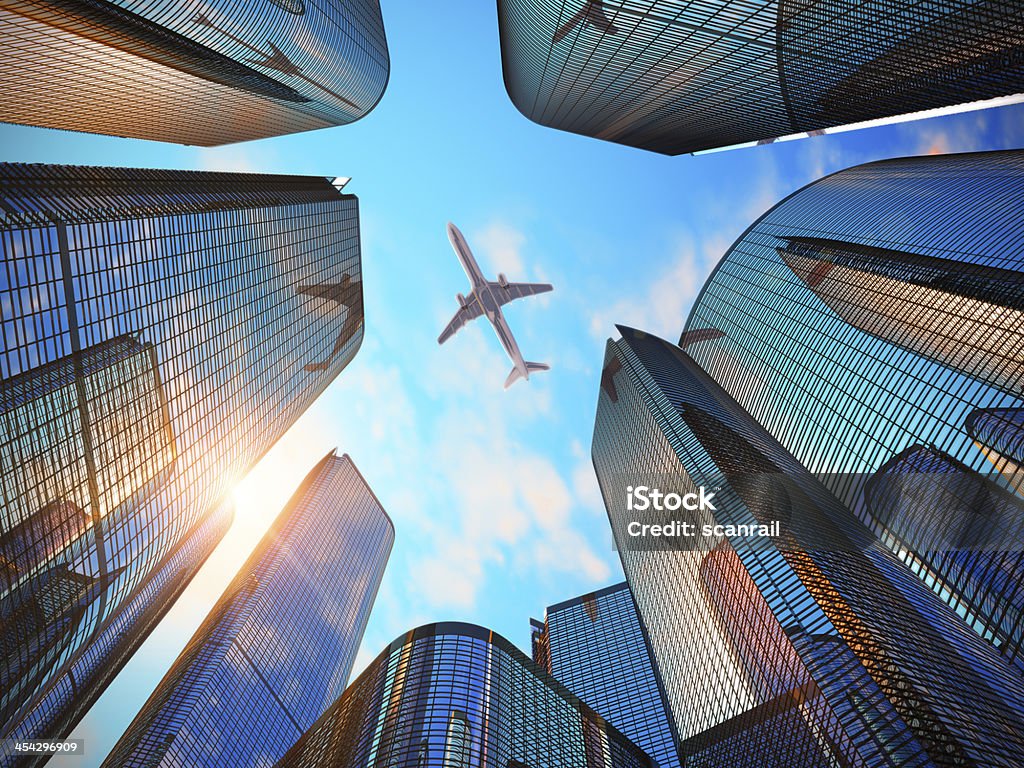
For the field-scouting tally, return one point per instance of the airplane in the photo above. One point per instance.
(487, 298)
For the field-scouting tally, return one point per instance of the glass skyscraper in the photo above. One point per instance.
(279, 645)
(71, 695)
(815, 646)
(457, 695)
(594, 645)
(677, 76)
(191, 72)
(161, 329)
(873, 323)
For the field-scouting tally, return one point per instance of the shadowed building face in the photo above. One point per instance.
(153, 70)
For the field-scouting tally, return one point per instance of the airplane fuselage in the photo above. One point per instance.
(490, 306)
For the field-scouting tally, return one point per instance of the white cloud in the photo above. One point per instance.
(586, 488)
(499, 503)
(449, 579)
(566, 552)
(236, 158)
(661, 309)
(502, 246)
(546, 494)
(963, 132)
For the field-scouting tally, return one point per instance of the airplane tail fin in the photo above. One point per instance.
(515, 375)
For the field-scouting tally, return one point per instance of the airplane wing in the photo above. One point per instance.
(469, 312)
(512, 291)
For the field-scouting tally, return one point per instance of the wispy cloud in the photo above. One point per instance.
(236, 158)
(502, 501)
(501, 245)
(962, 133)
(661, 308)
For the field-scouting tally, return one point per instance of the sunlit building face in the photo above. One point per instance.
(815, 645)
(161, 330)
(281, 640)
(81, 682)
(202, 73)
(85, 437)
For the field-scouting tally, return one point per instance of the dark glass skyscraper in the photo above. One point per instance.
(279, 645)
(677, 76)
(815, 646)
(873, 323)
(193, 73)
(161, 330)
(457, 695)
(594, 645)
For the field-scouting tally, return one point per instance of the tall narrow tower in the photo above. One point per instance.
(279, 645)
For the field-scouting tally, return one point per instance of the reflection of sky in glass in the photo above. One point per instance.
(859, 365)
(870, 396)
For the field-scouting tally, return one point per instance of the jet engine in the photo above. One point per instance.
(461, 299)
(502, 280)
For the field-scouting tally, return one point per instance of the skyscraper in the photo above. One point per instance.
(811, 646)
(677, 76)
(187, 72)
(279, 645)
(594, 645)
(71, 694)
(873, 323)
(161, 330)
(457, 695)
(84, 435)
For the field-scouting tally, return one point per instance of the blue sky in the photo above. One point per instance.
(492, 493)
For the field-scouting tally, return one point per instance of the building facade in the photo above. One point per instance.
(676, 76)
(594, 645)
(457, 695)
(161, 330)
(72, 694)
(191, 72)
(813, 645)
(873, 323)
(279, 645)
